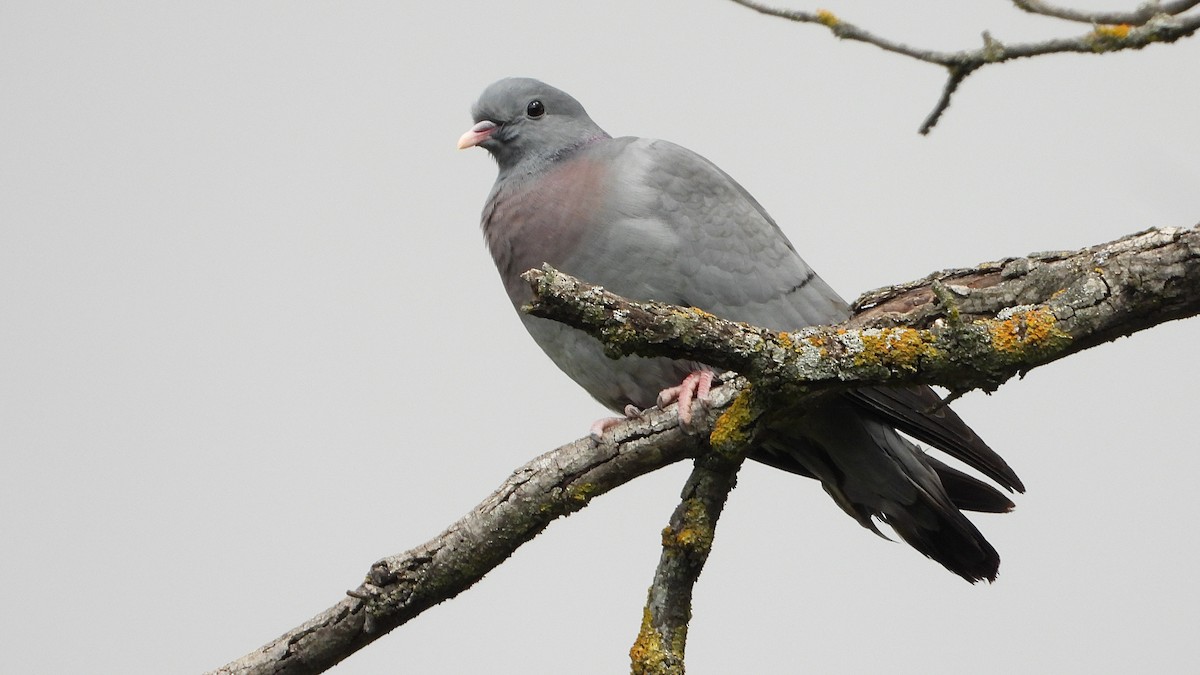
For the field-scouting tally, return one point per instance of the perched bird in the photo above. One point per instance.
(651, 220)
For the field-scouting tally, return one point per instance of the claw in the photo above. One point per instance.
(600, 426)
(695, 387)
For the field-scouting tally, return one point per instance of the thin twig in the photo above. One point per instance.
(1137, 17)
(1163, 26)
(957, 75)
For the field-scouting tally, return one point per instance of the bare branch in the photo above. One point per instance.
(848, 31)
(1137, 17)
(1162, 26)
(957, 75)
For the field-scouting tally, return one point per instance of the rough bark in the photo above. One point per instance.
(687, 541)
(400, 587)
(961, 328)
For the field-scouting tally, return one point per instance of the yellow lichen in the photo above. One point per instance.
(827, 18)
(1034, 328)
(818, 341)
(895, 348)
(647, 655)
(1109, 38)
(731, 426)
(689, 536)
(1113, 32)
(582, 492)
(695, 531)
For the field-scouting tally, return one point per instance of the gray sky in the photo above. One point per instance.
(251, 340)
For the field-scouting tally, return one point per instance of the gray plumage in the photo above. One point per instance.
(649, 219)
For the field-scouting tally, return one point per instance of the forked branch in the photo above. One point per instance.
(961, 328)
(1110, 32)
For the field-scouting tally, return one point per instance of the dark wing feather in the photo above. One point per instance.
(918, 411)
(967, 492)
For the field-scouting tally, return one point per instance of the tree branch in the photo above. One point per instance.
(687, 541)
(1147, 25)
(962, 328)
(1136, 17)
(400, 587)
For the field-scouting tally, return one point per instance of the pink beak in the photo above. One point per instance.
(478, 134)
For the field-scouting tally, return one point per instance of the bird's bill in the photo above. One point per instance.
(478, 134)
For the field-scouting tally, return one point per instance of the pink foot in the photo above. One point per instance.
(694, 387)
(605, 423)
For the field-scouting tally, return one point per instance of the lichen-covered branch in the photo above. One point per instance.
(962, 329)
(687, 541)
(556, 484)
(1111, 31)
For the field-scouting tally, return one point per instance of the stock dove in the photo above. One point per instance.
(651, 220)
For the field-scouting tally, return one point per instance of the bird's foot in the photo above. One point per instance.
(605, 423)
(695, 387)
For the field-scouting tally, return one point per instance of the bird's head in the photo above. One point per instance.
(519, 119)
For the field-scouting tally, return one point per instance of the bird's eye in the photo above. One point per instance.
(535, 109)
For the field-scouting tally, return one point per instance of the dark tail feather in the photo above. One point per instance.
(966, 492)
(969, 493)
(919, 411)
(872, 472)
(947, 537)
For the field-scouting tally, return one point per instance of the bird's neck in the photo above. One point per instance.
(533, 165)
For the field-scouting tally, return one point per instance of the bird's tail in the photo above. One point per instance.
(874, 474)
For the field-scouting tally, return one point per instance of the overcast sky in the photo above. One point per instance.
(251, 341)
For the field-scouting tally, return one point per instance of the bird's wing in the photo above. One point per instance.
(673, 227)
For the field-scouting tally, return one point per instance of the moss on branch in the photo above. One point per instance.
(963, 329)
